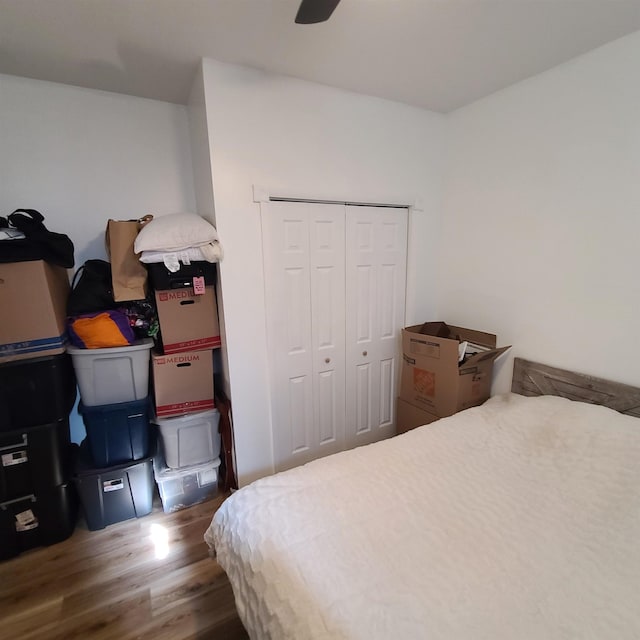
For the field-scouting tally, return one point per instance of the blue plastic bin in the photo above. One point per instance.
(117, 433)
(114, 494)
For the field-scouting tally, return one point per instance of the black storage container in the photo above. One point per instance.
(114, 494)
(117, 433)
(162, 279)
(34, 460)
(36, 391)
(34, 521)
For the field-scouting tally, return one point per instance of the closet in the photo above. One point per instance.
(335, 279)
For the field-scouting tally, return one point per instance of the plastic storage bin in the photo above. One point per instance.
(162, 279)
(117, 433)
(190, 439)
(34, 460)
(116, 374)
(36, 391)
(182, 488)
(37, 520)
(115, 494)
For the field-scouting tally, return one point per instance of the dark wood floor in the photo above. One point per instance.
(112, 584)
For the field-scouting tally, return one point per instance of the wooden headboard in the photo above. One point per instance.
(534, 379)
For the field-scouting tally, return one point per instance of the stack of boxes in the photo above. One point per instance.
(188, 316)
(445, 369)
(187, 459)
(114, 473)
(186, 465)
(38, 504)
(41, 472)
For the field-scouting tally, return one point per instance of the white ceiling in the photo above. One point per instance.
(438, 54)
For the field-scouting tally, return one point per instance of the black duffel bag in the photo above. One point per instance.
(38, 244)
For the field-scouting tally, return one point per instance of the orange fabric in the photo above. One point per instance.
(99, 332)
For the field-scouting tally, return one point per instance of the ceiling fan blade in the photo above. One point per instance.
(312, 11)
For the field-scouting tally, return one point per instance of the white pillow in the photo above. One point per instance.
(175, 232)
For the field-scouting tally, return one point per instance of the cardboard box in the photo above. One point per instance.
(433, 379)
(188, 321)
(409, 417)
(33, 299)
(182, 382)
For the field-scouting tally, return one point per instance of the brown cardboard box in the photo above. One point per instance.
(432, 378)
(188, 322)
(33, 299)
(183, 382)
(409, 417)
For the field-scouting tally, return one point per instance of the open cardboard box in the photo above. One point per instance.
(434, 380)
(33, 298)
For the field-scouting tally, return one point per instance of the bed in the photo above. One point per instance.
(519, 519)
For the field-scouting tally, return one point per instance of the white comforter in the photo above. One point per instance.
(516, 520)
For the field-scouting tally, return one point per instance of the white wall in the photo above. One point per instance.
(205, 204)
(542, 216)
(200, 152)
(304, 139)
(81, 156)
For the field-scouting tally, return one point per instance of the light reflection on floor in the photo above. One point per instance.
(160, 539)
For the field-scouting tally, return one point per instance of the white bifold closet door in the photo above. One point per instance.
(376, 272)
(335, 292)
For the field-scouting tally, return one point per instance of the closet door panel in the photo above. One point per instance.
(387, 392)
(328, 422)
(392, 252)
(298, 436)
(288, 302)
(376, 241)
(392, 246)
(303, 247)
(363, 398)
(361, 328)
(326, 227)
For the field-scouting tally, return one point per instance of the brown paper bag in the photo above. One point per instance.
(128, 274)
